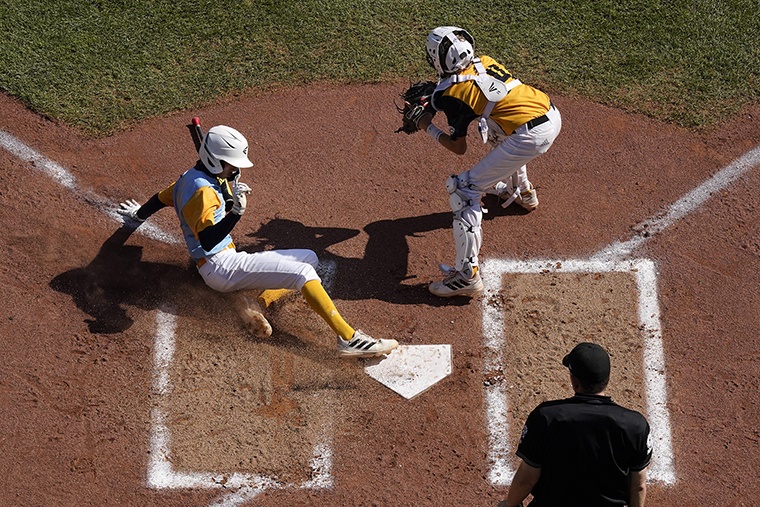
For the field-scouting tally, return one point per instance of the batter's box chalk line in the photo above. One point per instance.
(160, 470)
(611, 258)
(495, 332)
(239, 487)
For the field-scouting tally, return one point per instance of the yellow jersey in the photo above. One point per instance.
(463, 102)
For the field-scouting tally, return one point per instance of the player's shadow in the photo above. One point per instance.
(493, 205)
(382, 273)
(118, 277)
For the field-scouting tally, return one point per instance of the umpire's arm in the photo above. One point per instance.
(638, 488)
(522, 483)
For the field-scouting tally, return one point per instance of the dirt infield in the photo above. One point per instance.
(82, 395)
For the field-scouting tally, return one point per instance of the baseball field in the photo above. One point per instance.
(126, 381)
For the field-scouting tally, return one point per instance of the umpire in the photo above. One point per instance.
(584, 451)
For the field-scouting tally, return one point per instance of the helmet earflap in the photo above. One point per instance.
(224, 144)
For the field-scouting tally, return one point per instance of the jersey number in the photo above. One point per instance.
(498, 72)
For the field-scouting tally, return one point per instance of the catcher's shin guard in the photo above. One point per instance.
(467, 231)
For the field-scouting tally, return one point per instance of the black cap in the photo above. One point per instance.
(589, 363)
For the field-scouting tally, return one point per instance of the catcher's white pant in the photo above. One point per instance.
(505, 162)
(230, 270)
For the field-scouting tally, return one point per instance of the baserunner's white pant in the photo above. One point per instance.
(230, 270)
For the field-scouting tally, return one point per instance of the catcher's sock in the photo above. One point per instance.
(320, 302)
(520, 180)
(269, 296)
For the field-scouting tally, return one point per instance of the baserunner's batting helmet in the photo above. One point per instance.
(223, 143)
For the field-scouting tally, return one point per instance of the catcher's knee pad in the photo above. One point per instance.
(458, 200)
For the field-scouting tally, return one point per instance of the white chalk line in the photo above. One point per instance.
(63, 177)
(662, 467)
(241, 487)
(496, 406)
(683, 206)
(40, 162)
(610, 258)
(501, 470)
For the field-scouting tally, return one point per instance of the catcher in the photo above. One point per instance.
(198, 197)
(518, 120)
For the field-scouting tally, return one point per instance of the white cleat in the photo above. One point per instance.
(456, 284)
(363, 345)
(528, 199)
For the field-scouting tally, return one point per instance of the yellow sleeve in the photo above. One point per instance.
(166, 196)
(199, 210)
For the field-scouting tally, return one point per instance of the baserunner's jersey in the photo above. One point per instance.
(198, 201)
(464, 102)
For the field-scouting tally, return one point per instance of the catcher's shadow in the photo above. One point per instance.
(383, 271)
(494, 205)
(118, 277)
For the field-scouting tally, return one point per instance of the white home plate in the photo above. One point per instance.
(411, 369)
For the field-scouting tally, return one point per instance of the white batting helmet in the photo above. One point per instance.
(449, 49)
(223, 143)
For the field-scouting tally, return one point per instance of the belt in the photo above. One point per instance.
(203, 261)
(535, 122)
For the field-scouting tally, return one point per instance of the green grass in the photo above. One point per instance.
(101, 65)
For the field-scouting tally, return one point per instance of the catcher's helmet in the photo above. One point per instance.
(223, 143)
(449, 49)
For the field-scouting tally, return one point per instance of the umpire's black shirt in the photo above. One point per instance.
(586, 446)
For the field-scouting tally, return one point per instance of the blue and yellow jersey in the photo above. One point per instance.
(463, 102)
(197, 198)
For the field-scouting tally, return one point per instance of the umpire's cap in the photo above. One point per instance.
(589, 363)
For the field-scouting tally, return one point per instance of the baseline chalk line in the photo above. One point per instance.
(67, 180)
(683, 206)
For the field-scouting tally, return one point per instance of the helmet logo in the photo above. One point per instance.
(245, 150)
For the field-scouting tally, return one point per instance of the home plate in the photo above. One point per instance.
(411, 369)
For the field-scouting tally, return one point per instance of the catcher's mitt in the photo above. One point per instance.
(416, 105)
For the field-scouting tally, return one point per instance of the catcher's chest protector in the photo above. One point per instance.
(493, 89)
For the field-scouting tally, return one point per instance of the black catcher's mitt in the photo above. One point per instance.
(416, 105)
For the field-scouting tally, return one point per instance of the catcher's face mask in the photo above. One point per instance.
(449, 49)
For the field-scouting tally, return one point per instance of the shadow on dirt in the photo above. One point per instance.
(495, 209)
(118, 277)
(383, 271)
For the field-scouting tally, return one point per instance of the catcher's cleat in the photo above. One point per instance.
(529, 199)
(456, 284)
(363, 345)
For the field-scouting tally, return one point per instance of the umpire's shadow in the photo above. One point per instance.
(383, 271)
(118, 277)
